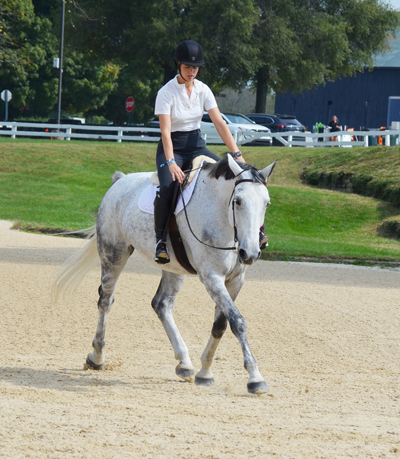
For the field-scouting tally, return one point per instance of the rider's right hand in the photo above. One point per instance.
(176, 172)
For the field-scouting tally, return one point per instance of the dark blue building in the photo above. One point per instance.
(358, 101)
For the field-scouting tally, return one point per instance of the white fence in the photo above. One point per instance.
(100, 132)
(79, 131)
(148, 134)
(344, 138)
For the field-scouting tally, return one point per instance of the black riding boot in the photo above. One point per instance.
(161, 217)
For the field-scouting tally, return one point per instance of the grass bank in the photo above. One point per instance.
(372, 172)
(59, 185)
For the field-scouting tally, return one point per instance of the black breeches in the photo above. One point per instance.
(187, 145)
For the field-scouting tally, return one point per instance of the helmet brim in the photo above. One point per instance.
(191, 64)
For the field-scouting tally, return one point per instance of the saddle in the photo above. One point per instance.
(174, 234)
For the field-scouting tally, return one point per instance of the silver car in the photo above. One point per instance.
(244, 130)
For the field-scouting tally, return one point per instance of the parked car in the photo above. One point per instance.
(154, 122)
(236, 121)
(278, 123)
(69, 120)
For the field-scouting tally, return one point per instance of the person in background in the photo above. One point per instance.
(334, 125)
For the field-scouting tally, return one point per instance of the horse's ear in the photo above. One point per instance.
(267, 172)
(235, 168)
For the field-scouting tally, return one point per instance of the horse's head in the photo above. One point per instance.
(249, 202)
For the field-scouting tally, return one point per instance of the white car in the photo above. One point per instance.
(243, 129)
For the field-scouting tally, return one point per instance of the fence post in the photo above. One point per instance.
(68, 131)
(365, 141)
(13, 129)
(120, 134)
(290, 138)
(387, 140)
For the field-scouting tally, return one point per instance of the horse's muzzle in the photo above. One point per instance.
(246, 259)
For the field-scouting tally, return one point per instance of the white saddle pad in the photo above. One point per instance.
(146, 200)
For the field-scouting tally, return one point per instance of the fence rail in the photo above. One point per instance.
(148, 134)
(344, 138)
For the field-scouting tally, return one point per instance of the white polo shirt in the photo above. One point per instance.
(185, 112)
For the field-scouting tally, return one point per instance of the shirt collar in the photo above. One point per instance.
(182, 88)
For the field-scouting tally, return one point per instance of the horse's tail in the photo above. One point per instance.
(117, 175)
(75, 268)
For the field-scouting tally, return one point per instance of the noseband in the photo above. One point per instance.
(233, 213)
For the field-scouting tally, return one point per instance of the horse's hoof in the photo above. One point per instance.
(258, 388)
(93, 366)
(185, 373)
(204, 381)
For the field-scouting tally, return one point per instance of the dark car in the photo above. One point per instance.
(278, 123)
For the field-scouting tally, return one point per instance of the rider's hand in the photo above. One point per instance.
(176, 172)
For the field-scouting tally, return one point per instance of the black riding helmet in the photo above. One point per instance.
(190, 53)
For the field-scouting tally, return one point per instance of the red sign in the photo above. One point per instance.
(129, 104)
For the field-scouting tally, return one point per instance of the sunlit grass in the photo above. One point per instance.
(59, 185)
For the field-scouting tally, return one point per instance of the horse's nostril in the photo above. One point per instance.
(243, 254)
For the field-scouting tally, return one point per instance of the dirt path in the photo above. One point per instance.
(326, 338)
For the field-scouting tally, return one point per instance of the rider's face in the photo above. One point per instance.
(189, 73)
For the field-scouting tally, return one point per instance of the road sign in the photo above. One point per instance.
(6, 95)
(129, 104)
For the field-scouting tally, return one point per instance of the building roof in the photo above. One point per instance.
(391, 58)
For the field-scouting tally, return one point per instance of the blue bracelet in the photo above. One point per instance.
(170, 161)
(238, 153)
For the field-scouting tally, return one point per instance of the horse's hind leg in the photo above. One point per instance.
(163, 305)
(113, 259)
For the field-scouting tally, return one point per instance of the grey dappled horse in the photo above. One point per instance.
(230, 198)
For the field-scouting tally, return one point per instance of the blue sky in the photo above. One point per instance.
(395, 3)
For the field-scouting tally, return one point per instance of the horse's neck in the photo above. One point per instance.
(214, 197)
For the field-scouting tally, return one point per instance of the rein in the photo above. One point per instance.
(233, 212)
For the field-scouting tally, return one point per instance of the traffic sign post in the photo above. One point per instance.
(129, 105)
(6, 96)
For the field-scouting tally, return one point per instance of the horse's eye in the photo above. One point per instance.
(238, 202)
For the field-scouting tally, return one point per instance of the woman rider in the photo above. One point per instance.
(180, 105)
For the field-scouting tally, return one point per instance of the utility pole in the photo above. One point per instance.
(61, 61)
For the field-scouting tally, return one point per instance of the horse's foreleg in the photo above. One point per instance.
(163, 305)
(218, 291)
(205, 377)
(112, 263)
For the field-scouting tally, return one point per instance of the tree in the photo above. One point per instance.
(141, 37)
(29, 40)
(88, 77)
(304, 43)
(25, 41)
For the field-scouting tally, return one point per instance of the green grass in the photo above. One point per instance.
(372, 172)
(59, 185)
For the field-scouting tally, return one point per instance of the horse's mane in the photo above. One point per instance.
(222, 169)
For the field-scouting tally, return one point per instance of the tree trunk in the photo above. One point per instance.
(169, 73)
(262, 89)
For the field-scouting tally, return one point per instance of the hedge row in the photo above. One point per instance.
(362, 184)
